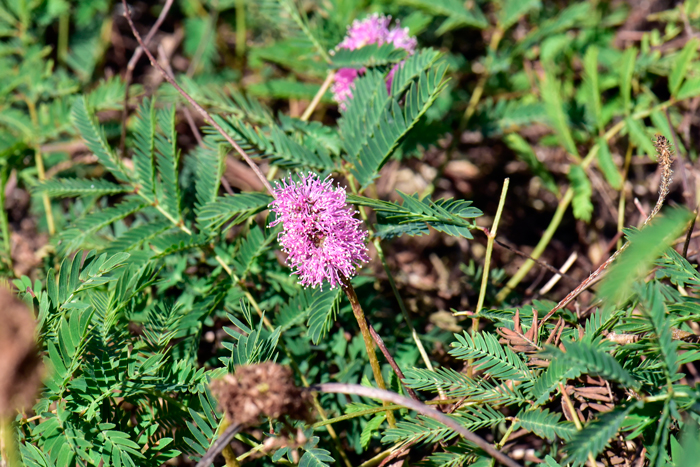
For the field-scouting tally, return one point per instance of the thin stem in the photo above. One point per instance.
(240, 28)
(489, 249)
(319, 94)
(132, 64)
(479, 89)
(39, 161)
(221, 445)
(3, 216)
(387, 396)
(621, 206)
(63, 30)
(198, 107)
(574, 416)
(369, 342)
(380, 343)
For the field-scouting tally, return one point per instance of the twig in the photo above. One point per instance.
(387, 396)
(380, 343)
(198, 107)
(574, 416)
(369, 342)
(128, 76)
(565, 267)
(219, 445)
(317, 98)
(544, 264)
(690, 234)
(665, 160)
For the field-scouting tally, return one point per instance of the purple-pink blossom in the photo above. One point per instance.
(322, 239)
(372, 30)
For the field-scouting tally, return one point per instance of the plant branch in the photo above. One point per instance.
(198, 107)
(219, 445)
(128, 76)
(317, 98)
(369, 342)
(423, 409)
(380, 343)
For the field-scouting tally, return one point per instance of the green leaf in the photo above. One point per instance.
(83, 228)
(144, 149)
(322, 312)
(591, 82)
(626, 72)
(583, 208)
(490, 356)
(645, 247)
(371, 55)
(512, 10)
(550, 90)
(640, 137)
(607, 166)
(595, 436)
(680, 66)
(210, 168)
(394, 123)
(68, 187)
(558, 371)
(167, 158)
(95, 139)
(234, 208)
(316, 457)
(545, 424)
(458, 15)
(525, 153)
(690, 88)
(588, 355)
(370, 428)
(657, 314)
(250, 247)
(445, 215)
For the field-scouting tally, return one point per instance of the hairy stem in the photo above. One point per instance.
(423, 409)
(369, 342)
(221, 445)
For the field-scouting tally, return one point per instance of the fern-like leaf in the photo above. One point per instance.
(234, 208)
(95, 139)
(144, 149)
(595, 436)
(371, 55)
(545, 424)
(167, 157)
(490, 356)
(68, 187)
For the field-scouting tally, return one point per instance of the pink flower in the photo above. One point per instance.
(322, 239)
(371, 30)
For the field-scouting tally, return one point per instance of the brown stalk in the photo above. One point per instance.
(208, 118)
(380, 343)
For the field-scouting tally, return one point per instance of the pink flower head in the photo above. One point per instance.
(371, 30)
(321, 237)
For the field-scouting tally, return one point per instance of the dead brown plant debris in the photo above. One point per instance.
(266, 389)
(20, 365)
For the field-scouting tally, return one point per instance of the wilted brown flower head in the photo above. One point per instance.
(266, 389)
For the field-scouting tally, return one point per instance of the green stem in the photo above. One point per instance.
(369, 342)
(63, 30)
(4, 225)
(240, 28)
(489, 249)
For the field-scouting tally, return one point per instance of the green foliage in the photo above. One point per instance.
(162, 272)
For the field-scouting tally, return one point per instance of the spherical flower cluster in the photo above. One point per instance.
(371, 30)
(322, 239)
